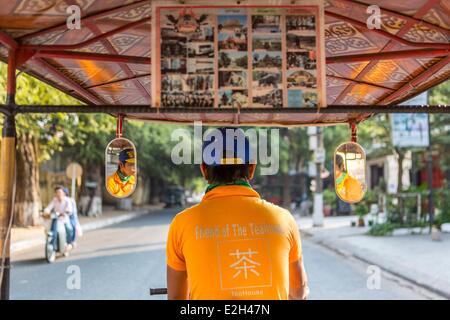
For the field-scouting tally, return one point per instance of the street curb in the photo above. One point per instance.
(345, 253)
(107, 222)
(19, 246)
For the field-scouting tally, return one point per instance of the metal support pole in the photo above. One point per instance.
(7, 170)
(430, 177)
(318, 195)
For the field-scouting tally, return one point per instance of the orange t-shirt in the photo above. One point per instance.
(234, 245)
(350, 189)
(118, 188)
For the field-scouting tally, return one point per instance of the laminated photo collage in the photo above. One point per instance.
(232, 27)
(187, 58)
(237, 58)
(301, 56)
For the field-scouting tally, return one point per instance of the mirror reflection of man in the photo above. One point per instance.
(122, 182)
(347, 187)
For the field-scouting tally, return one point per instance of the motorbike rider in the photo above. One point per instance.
(62, 206)
(76, 227)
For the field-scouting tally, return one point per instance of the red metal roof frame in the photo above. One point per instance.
(22, 51)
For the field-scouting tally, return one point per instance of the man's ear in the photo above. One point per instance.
(204, 171)
(251, 171)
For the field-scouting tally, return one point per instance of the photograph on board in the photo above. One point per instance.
(297, 42)
(300, 22)
(173, 65)
(268, 42)
(301, 78)
(268, 98)
(298, 98)
(200, 66)
(233, 41)
(267, 59)
(233, 79)
(266, 23)
(266, 79)
(200, 49)
(233, 60)
(171, 82)
(187, 22)
(171, 48)
(233, 98)
(187, 99)
(198, 82)
(302, 60)
(186, 83)
(233, 24)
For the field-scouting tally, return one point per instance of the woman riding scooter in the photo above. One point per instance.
(61, 235)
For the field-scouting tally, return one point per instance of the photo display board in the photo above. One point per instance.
(244, 56)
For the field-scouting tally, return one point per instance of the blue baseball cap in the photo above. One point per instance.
(127, 155)
(226, 146)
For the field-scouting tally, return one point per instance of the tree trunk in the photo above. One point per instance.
(154, 190)
(92, 174)
(27, 199)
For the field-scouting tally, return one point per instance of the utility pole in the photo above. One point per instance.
(430, 176)
(7, 176)
(319, 157)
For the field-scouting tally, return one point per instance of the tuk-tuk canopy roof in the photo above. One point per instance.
(108, 61)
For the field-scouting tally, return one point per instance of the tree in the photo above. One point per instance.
(440, 123)
(38, 137)
(154, 147)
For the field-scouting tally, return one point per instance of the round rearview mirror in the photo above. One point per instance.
(350, 172)
(120, 168)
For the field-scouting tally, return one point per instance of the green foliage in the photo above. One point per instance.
(361, 209)
(384, 229)
(370, 197)
(442, 202)
(53, 131)
(329, 197)
(381, 229)
(154, 147)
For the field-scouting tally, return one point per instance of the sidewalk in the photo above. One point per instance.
(26, 238)
(415, 258)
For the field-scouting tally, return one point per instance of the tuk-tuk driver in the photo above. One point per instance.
(233, 244)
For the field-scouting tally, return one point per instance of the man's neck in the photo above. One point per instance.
(238, 182)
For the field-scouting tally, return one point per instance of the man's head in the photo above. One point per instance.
(127, 162)
(227, 156)
(59, 193)
(340, 163)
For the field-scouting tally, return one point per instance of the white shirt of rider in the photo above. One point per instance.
(64, 206)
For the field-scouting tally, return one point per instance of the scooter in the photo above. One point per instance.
(52, 247)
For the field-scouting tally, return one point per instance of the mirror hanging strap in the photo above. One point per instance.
(353, 132)
(119, 127)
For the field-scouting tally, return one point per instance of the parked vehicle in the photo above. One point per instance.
(174, 196)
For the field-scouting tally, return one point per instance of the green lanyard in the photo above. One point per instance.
(123, 177)
(243, 183)
(341, 178)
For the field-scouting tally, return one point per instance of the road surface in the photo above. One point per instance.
(123, 261)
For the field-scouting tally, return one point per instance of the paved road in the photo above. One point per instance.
(123, 261)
